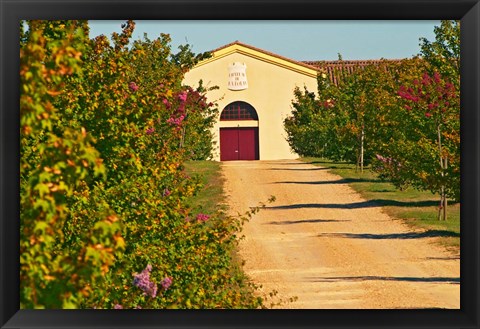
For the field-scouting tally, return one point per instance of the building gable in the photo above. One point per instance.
(262, 55)
(254, 93)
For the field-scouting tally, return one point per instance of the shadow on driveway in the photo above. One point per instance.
(297, 169)
(356, 205)
(384, 278)
(301, 221)
(409, 235)
(326, 182)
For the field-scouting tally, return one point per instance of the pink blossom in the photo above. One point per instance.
(176, 121)
(166, 103)
(181, 108)
(166, 283)
(202, 217)
(182, 96)
(133, 86)
(407, 94)
(428, 114)
(383, 159)
(142, 281)
(426, 79)
(449, 85)
(150, 130)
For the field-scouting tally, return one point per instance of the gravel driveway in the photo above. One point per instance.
(320, 242)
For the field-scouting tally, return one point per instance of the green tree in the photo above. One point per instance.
(357, 95)
(55, 165)
(443, 54)
(426, 152)
(105, 129)
(304, 135)
(435, 160)
(312, 129)
(404, 116)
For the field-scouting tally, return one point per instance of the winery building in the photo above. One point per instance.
(254, 97)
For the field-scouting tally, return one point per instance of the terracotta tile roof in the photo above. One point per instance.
(335, 70)
(236, 42)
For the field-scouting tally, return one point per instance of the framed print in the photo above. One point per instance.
(117, 186)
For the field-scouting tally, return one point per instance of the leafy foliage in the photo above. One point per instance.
(427, 155)
(443, 54)
(105, 130)
(403, 117)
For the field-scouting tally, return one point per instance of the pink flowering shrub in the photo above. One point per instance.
(108, 190)
(429, 143)
(433, 106)
(132, 86)
(166, 283)
(143, 282)
(202, 217)
(176, 121)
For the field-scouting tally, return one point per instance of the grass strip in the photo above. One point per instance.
(416, 208)
(211, 199)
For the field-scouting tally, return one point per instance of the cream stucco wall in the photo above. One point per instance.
(270, 91)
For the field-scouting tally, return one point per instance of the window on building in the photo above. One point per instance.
(238, 111)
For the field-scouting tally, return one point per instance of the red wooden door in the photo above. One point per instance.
(229, 144)
(248, 143)
(239, 144)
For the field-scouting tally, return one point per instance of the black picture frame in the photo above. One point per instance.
(12, 11)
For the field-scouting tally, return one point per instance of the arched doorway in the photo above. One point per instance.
(239, 140)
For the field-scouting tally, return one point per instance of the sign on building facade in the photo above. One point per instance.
(237, 76)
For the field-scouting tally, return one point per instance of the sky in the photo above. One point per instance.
(298, 40)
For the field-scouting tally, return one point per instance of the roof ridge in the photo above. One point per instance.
(316, 65)
(236, 42)
(347, 61)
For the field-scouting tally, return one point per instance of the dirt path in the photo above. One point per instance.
(320, 242)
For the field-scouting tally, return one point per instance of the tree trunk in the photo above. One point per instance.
(445, 166)
(445, 209)
(182, 137)
(357, 163)
(362, 138)
(360, 152)
(442, 209)
(184, 131)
